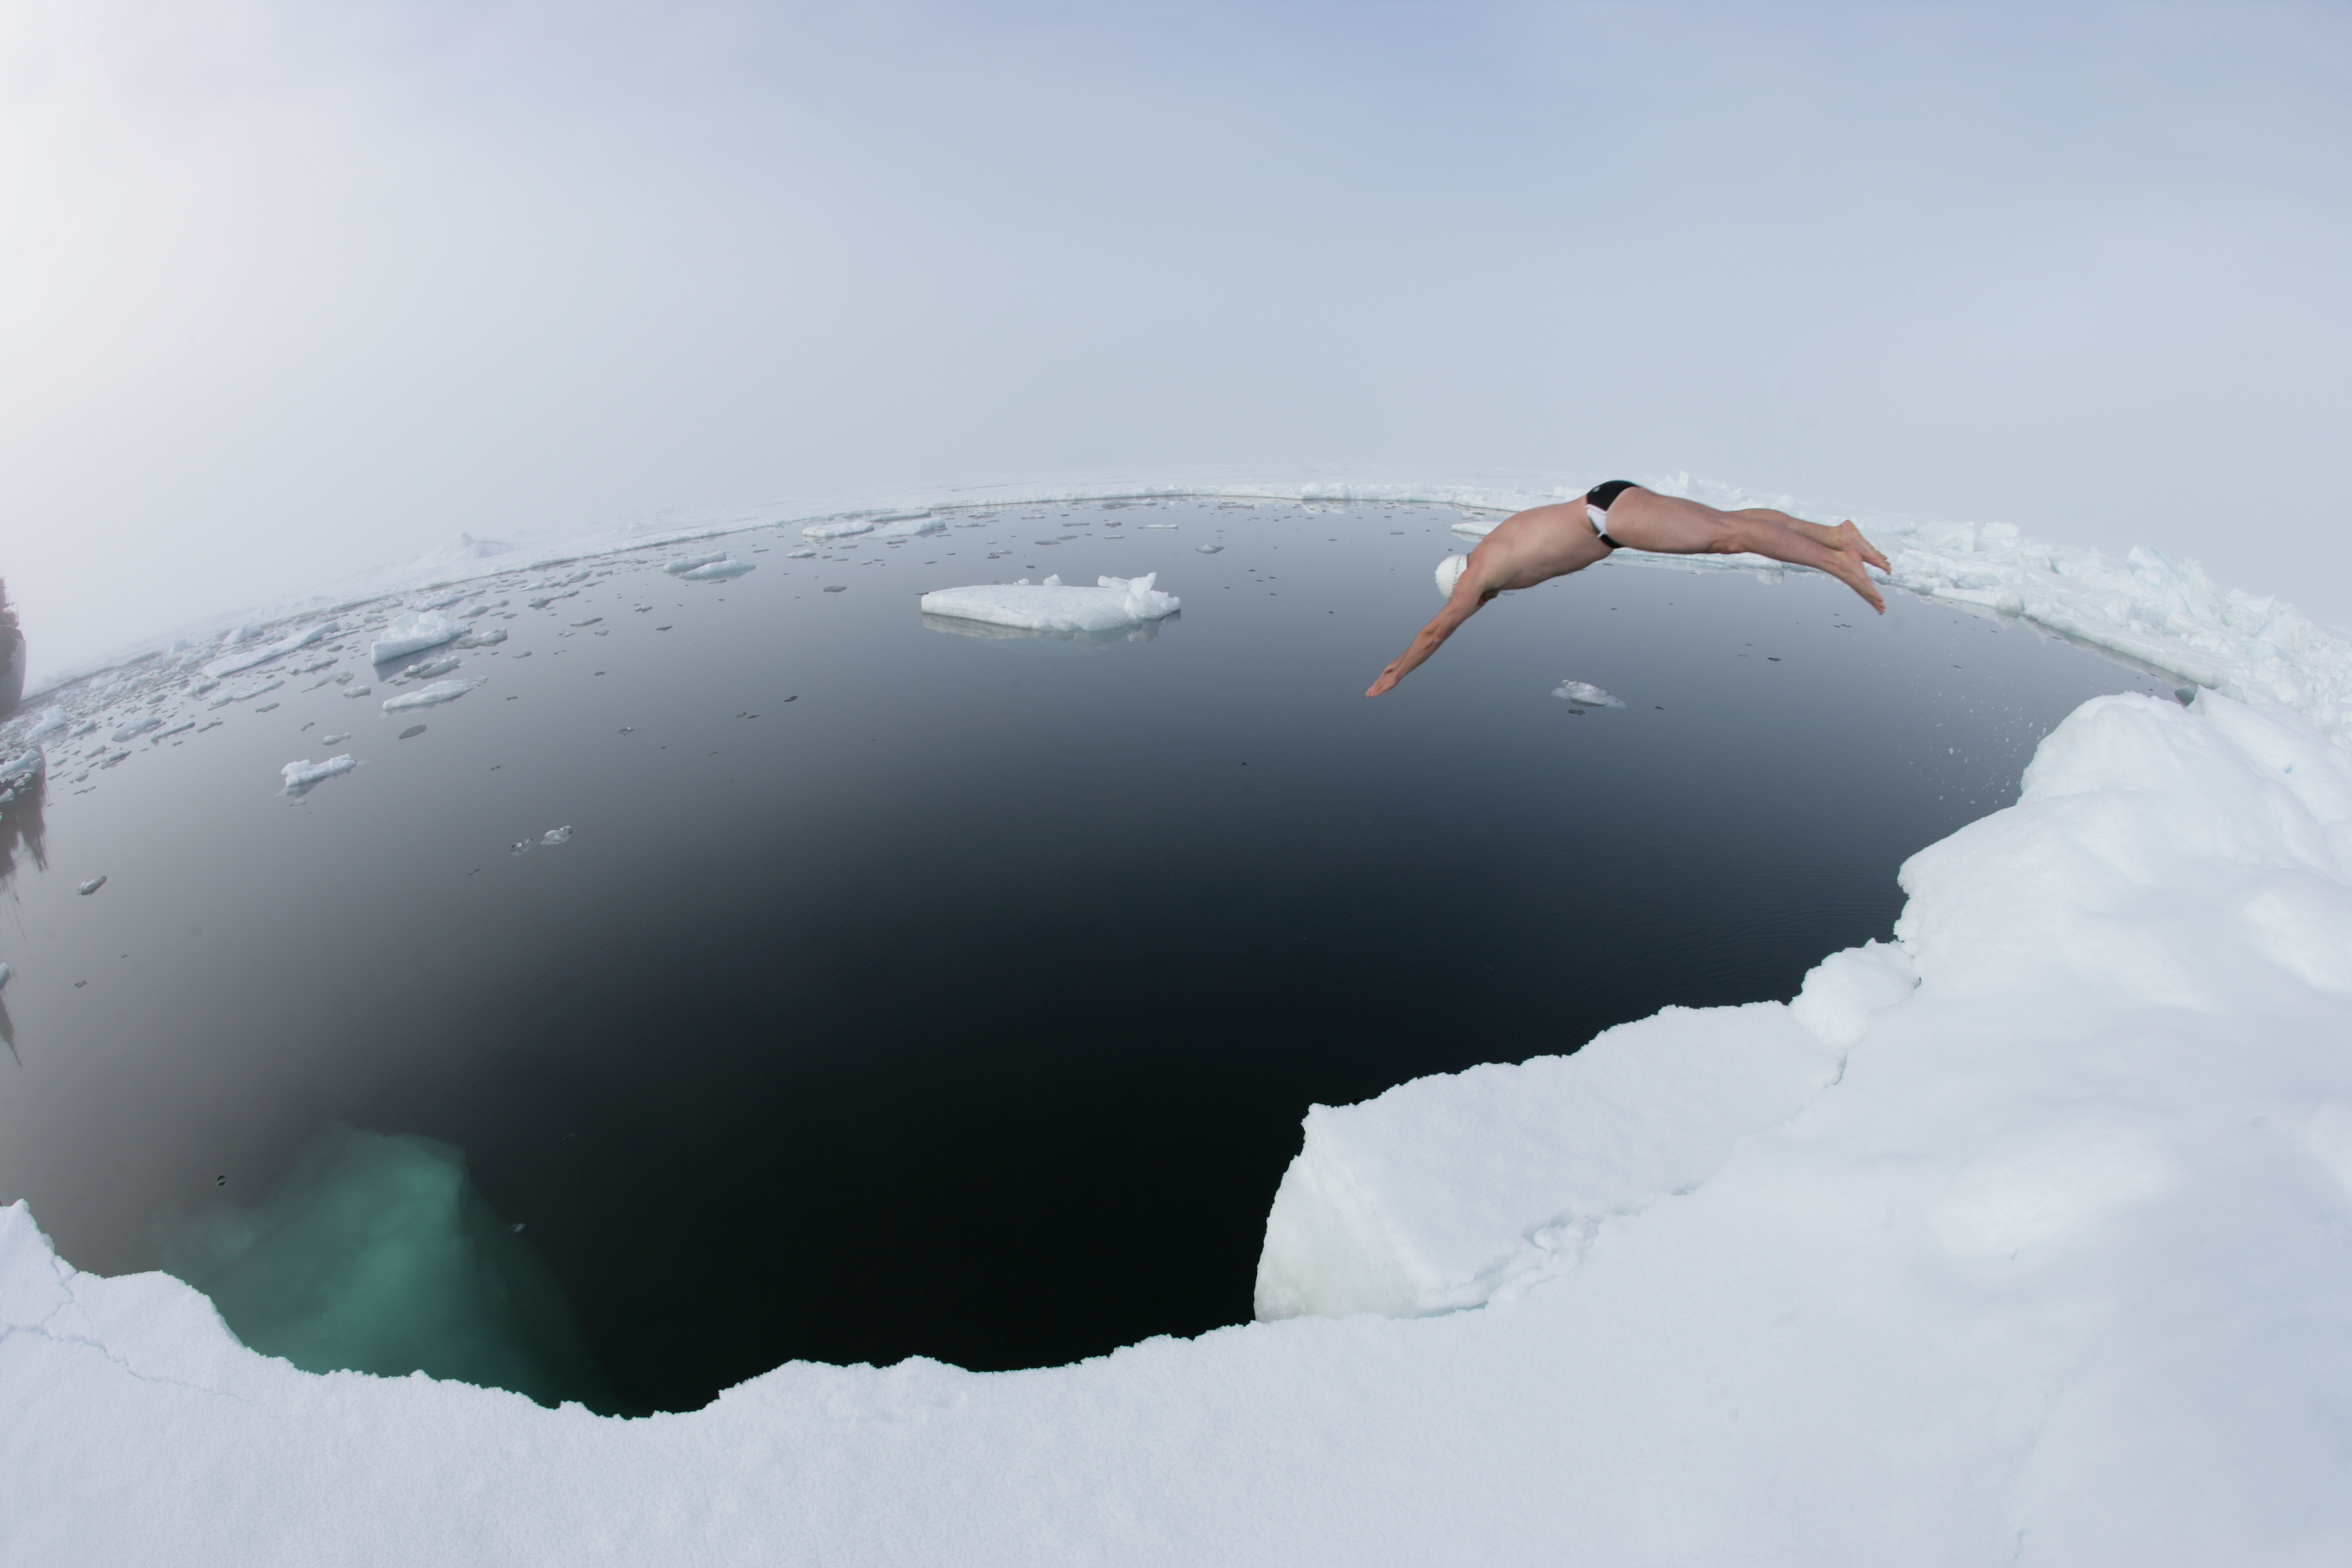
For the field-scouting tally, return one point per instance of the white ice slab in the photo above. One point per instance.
(245, 658)
(439, 691)
(1585, 694)
(300, 776)
(717, 571)
(1051, 606)
(414, 632)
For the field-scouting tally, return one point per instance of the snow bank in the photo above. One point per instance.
(2022, 1239)
(414, 632)
(1114, 602)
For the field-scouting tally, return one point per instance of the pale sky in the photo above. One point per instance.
(290, 289)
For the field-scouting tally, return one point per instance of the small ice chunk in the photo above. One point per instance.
(300, 776)
(92, 886)
(838, 531)
(1208, 549)
(231, 663)
(439, 691)
(685, 563)
(908, 527)
(360, 691)
(1112, 603)
(23, 766)
(716, 571)
(245, 694)
(427, 670)
(81, 729)
(52, 720)
(1160, 524)
(183, 725)
(1585, 695)
(801, 554)
(481, 639)
(557, 835)
(415, 632)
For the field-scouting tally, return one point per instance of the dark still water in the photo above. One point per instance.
(900, 991)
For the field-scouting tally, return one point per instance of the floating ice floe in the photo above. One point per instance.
(245, 694)
(427, 670)
(685, 563)
(23, 766)
(230, 663)
(333, 740)
(1053, 606)
(557, 836)
(837, 530)
(804, 553)
(181, 728)
(716, 571)
(300, 776)
(415, 632)
(908, 527)
(479, 639)
(1208, 550)
(1586, 695)
(92, 885)
(360, 691)
(52, 720)
(439, 691)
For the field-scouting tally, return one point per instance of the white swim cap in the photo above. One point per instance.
(1449, 572)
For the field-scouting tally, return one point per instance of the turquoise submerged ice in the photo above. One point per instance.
(2023, 1238)
(376, 1254)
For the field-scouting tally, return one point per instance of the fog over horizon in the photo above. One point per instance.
(293, 291)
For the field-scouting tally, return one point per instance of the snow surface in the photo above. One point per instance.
(1114, 602)
(2024, 1239)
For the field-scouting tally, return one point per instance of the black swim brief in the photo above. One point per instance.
(1598, 500)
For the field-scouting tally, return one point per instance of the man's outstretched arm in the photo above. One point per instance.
(1466, 603)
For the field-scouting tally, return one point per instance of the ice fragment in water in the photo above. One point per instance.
(415, 632)
(685, 563)
(1160, 524)
(52, 720)
(440, 691)
(1112, 603)
(483, 639)
(81, 729)
(177, 728)
(231, 663)
(1208, 549)
(360, 691)
(22, 766)
(1590, 697)
(300, 776)
(92, 886)
(717, 571)
(908, 527)
(837, 530)
(801, 554)
(138, 727)
(245, 694)
(335, 740)
(427, 670)
(557, 836)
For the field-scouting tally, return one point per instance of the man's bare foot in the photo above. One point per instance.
(1849, 540)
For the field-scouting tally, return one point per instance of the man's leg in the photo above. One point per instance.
(1845, 536)
(1671, 526)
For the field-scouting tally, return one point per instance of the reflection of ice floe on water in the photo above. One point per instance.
(990, 631)
(376, 1254)
(300, 776)
(1586, 695)
(439, 691)
(1114, 604)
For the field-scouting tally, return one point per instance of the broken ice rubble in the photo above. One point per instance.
(300, 776)
(415, 632)
(439, 691)
(1051, 606)
(231, 663)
